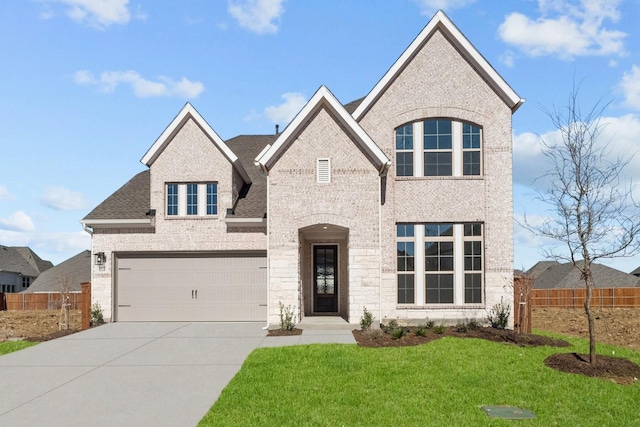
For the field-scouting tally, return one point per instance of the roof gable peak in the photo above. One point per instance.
(322, 98)
(189, 112)
(441, 22)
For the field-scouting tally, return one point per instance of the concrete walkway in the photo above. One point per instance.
(133, 374)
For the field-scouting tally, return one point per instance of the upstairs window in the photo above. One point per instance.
(447, 148)
(192, 199)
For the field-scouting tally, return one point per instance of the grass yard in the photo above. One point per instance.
(441, 383)
(11, 346)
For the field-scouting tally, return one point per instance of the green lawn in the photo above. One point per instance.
(11, 346)
(441, 383)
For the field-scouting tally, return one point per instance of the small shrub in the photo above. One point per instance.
(462, 328)
(439, 329)
(366, 320)
(420, 331)
(473, 324)
(499, 315)
(286, 317)
(396, 331)
(429, 324)
(96, 314)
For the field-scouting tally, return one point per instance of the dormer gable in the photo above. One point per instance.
(187, 113)
(323, 98)
(440, 22)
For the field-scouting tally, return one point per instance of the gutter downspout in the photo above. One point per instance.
(86, 228)
(266, 327)
(380, 254)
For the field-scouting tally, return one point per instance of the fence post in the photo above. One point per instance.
(86, 305)
(3, 301)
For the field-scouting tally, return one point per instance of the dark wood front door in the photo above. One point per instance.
(325, 279)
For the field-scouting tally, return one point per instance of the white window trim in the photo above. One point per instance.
(182, 200)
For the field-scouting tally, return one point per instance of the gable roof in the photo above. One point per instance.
(77, 269)
(189, 112)
(440, 22)
(566, 276)
(324, 98)
(127, 205)
(22, 260)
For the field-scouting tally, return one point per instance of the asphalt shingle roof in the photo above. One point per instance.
(22, 260)
(566, 276)
(131, 201)
(77, 269)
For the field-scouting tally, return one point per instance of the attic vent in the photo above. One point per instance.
(324, 170)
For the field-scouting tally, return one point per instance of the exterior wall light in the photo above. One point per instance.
(100, 258)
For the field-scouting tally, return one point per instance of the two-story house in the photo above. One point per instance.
(400, 202)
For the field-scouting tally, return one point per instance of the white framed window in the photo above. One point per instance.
(445, 147)
(440, 264)
(191, 199)
(323, 170)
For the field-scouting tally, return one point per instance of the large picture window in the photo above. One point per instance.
(440, 264)
(448, 148)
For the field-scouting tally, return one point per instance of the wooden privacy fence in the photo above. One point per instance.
(574, 298)
(41, 301)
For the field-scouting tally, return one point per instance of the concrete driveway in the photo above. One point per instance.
(134, 374)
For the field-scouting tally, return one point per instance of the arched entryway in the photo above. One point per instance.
(324, 255)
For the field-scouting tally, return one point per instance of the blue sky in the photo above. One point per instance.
(87, 86)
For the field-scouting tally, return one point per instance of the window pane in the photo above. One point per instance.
(439, 288)
(437, 135)
(471, 163)
(172, 199)
(192, 199)
(404, 230)
(437, 164)
(473, 288)
(212, 199)
(405, 256)
(404, 137)
(473, 229)
(404, 164)
(438, 230)
(470, 136)
(405, 288)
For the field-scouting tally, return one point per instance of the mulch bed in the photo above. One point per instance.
(283, 332)
(617, 369)
(379, 338)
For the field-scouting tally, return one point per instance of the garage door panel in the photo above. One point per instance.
(164, 288)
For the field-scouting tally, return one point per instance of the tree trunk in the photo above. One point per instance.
(592, 326)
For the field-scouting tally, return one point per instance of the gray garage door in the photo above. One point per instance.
(227, 287)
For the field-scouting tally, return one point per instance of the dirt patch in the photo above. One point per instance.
(616, 326)
(36, 325)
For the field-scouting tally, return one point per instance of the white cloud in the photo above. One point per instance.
(630, 87)
(62, 199)
(17, 221)
(285, 112)
(621, 133)
(429, 7)
(259, 16)
(98, 14)
(4, 193)
(142, 88)
(567, 28)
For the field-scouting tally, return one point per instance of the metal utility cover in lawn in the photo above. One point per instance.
(508, 412)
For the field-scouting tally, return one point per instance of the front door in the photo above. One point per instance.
(325, 279)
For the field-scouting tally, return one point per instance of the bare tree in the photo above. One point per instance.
(64, 287)
(593, 212)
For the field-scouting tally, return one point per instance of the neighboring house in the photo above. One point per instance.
(636, 272)
(19, 267)
(71, 274)
(553, 275)
(400, 202)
